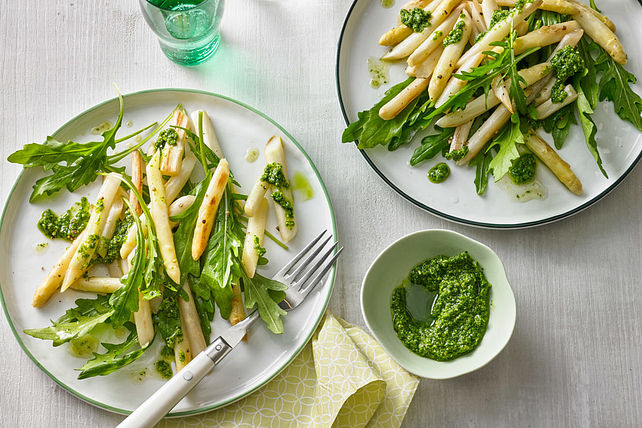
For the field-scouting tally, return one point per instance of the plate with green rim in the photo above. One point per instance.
(24, 263)
(619, 142)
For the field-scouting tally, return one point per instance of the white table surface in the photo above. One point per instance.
(575, 358)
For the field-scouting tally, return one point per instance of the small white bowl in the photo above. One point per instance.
(392, 266)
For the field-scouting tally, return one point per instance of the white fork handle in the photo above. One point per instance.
(162, 401)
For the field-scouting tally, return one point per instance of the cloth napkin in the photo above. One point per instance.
(343, 378)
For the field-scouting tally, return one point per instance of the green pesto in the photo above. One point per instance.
(109, 249)
(83, 346)
(279, 198)
(458, 318)
(303, 186)
(257, 246)
(164, 369)
(498, 16)
(455, 34)
(566, 63)
(417, 19)
(167, 136)
(437, 34)
(69, 225)
(100, 205)
(42, 245)
(523, 169)
(387, 3)
(378, 71)
(273, 174)
(457, 154)
(90, 244)
(439, 173)
(181, 356)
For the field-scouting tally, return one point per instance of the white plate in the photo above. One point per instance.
(619, 142)
(248, 367)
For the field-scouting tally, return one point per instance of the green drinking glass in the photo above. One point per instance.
(187, 30)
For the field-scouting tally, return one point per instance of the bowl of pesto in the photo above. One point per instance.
(439, 303)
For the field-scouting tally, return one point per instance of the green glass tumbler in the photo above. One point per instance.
(187, 30)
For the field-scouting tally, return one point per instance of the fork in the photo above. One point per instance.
(301, 276)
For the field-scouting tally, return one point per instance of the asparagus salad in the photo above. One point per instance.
(172, 230)
(487, 76)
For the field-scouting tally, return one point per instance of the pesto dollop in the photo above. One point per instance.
(458, 318)
(109, 249)
(273, 174)
(69, 225)
(523, 169)
(455, 34)
(457, 154)
(566, 63)
(167, 136)
(257, 246)
(164, 369)
(279, 198)
(417, 19)
(439, 173)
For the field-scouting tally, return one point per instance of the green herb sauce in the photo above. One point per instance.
(523, 169)
(164, 369)
(458, 317)
(378, 71)
(437, 35)
(439, 173)
(498, 16)
(99, 129)
(566, 63)
(69, 225)
(257, 246)
(252, 154)
(417, 19)
(109, 249)
(273, 174)
(84, 346)
(455, 34)
(279, 198)
(167, 136)
(387, 3)
(302, 185)
(457, 154)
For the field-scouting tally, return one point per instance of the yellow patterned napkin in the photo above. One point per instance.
(343, 378)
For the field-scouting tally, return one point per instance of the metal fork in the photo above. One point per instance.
(301, 275)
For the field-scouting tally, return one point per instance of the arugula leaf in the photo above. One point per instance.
(167, 319)
(594, 6)
(559, 124)
(205, 309)
(259, 292)
(116, 357)
(370, 130)
(585, 111)
(74, 165)
(481, 163)
(516, 91)
(588, 80)
(75, 322)
(507, 141)
(431, 145)
(615, 86)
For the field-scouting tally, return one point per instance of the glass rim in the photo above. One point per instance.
(170, 10)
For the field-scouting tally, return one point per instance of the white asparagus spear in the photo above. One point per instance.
(137, 179)
(209, 135)
(554, 162)
(446, 64)
(172, 187)
(435, 41)
(488, 9)
(143, 316)
(103, 285)
(482, 103)
(287, 224)
(488, 130)
(191, 323)
(112, 218)
(254, 238)
(53, 281)
(170, 163)
(600, 33)
(545, 93)
(460, 136)
(499, 31)
(82, 257)
(399, 102)
(413, 41)
(237, 314)
(501, 92)
(424, 69)
(256, 195)
(208, 208)
(548, 107)
(182, 350)
(559, 6)
(455, 84)
(544, 36)
(179, 206)
(400, 32)
(158, 208)
(476, 14)
(595, 13)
